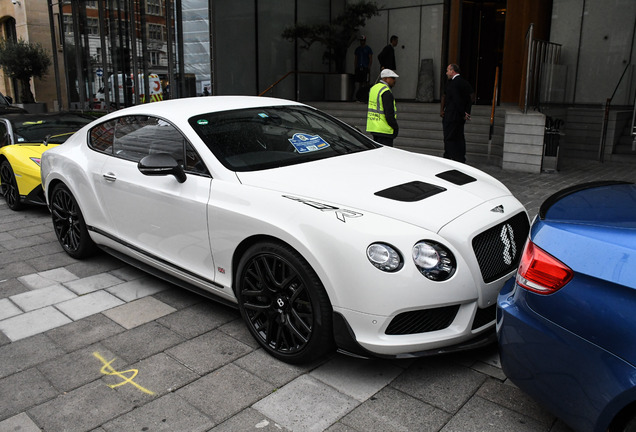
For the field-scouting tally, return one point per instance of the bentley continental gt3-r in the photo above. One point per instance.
(23, 139)
(320, 236)
(566, 323)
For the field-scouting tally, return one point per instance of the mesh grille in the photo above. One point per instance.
(422, 321)
(498, 250)
(484, 316)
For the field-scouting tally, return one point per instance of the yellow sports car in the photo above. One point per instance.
(23, 139)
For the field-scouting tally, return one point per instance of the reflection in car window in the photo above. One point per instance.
(261, 138)
(52, 128)
(133, 137)
(4, 136)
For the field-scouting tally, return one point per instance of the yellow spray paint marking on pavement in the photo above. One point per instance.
(107, 369)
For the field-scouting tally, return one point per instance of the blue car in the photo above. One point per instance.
(566, 324)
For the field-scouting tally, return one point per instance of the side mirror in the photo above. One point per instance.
(161, 164)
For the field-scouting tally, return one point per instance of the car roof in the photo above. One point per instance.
(188, 107)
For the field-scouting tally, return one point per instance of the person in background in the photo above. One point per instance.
(456, 105)
(381, 115)
(362, 65)
(387, 55)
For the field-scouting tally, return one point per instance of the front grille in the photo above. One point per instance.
(498, 250)
(484, 316)
(422, 321)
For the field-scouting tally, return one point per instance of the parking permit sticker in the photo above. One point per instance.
(304, 143)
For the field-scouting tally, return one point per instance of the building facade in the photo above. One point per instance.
(549, 56)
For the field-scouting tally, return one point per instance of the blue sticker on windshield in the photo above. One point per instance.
(304, 143)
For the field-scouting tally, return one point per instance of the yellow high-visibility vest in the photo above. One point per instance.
(376, 118)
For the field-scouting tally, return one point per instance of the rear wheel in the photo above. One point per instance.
(69, 225)
(630, 425)
(284, 303)
(9, 186)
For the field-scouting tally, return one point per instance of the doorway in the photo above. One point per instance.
(482, 45)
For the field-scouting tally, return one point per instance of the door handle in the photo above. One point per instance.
(110, 177)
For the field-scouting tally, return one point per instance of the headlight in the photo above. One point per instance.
(433, 260)
(384, 257)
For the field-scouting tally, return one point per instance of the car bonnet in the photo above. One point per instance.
(422, 190)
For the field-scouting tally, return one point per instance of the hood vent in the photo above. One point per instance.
(410, 192)
(456, 177)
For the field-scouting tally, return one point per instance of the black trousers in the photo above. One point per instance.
(454, 140)
(383, 139)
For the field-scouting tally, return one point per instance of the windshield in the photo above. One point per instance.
(261, 138)
(54, 129)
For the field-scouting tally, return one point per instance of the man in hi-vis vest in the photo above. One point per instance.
(381, 122)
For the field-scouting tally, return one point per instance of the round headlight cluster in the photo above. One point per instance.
(384, 257)
(433, 260)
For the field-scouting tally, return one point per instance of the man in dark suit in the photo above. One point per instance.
(456, 106)
(387, 55)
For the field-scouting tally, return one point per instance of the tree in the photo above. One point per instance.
(337, 36)
(23, 60)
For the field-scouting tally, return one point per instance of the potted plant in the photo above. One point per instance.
(336, 36)
(22, 61)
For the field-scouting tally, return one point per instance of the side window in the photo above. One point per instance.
(193, 162)
(101, 137)
(133, 137)
(4, 136)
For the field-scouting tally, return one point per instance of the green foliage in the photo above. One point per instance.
(337, 36)
(23, 60)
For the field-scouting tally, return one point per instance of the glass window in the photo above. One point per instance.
(92, 26)
(54, 128)
(153, 7)
(155, 58)
(68, 24)
(133, 137)
(261, 138)
(155, 32)
(101, 137)
(4, 136)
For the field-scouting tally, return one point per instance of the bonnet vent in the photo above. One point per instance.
(456, 177)
(410, 192)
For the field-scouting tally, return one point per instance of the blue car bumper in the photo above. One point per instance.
(579, 382)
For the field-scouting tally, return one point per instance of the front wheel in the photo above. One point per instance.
(69, 225)
(9, 186)
(284, 304)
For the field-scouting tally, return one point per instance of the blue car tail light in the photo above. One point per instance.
(540, 272)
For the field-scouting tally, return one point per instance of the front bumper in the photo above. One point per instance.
(347, 344)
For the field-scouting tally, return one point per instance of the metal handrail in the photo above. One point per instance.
(539, 52)
(608, 103)
(276, 83)
(529, 45)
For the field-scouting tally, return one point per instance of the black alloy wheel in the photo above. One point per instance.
(9, 186)
(284, 304)
(69, 224)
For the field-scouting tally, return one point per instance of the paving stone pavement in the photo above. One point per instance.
(97, 345)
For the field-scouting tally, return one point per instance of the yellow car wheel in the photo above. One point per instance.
(9, 186)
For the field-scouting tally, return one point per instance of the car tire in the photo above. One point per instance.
(10, 186)
(630, 425)
(69, 224)
(284, 304)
